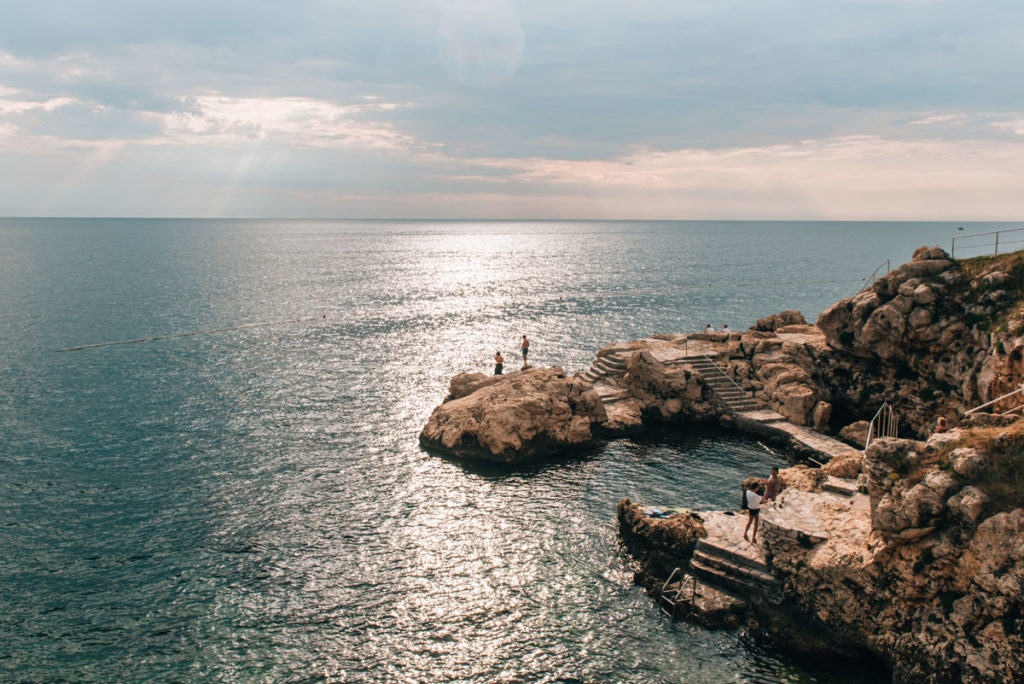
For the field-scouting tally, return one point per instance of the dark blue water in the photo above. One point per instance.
(252, 505)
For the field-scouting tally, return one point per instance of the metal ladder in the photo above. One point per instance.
(675, 597)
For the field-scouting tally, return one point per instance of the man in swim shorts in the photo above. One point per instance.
(754, 510)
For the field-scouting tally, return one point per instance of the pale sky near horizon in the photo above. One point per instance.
(651, 109)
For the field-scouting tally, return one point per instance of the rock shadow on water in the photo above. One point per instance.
(497, 470)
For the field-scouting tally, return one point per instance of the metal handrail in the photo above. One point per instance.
(871, 278)
(997, 399)
(721, 371)
(889, 425)
(954, 238)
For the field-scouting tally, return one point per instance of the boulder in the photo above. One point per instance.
(780, 320)
(856, 433)
(667, 393)
(523, 416)
(847, 466)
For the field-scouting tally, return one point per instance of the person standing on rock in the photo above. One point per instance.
(499, 362)
(525, 348)
(774, 485)
(754, 511)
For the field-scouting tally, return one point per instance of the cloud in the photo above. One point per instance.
(291, 121)
(649, 107)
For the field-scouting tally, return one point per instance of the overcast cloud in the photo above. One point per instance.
(904, 109)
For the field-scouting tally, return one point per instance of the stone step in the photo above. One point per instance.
(612, 364)
(612, 397)
(840, 486)
(742, 584)
(739, 571)
(712, 550)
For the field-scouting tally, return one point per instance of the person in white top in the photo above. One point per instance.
(754, 511)
(725, 328)
(708, 328)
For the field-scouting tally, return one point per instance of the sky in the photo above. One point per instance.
(572, 109)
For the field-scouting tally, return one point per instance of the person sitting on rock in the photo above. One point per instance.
(941, 425)
(725, 329)
(774, 485)
(499, 361)
(754, 511)
(708, 328)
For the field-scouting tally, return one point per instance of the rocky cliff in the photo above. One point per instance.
(934, 337)
(936, 586)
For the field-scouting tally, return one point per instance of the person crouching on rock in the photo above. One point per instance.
(754, 511)
(498, 363)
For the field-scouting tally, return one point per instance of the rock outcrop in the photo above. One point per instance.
(935, 586)
(927, 576)
(659, 544)
(932, 337)
(522, 416)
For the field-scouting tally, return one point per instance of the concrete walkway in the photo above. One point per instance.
(807, 442)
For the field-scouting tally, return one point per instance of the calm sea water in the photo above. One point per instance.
(252, 504)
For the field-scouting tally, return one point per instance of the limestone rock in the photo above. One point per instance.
(522, 416)
(667, 393)
(802, 477)
(773, 323)
(855, 434)
(822, 414)
(967, 462)
(624, 418)
(847, 466)
(660, 544)
(969, 504)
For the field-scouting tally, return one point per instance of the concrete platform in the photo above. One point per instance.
(725, 531)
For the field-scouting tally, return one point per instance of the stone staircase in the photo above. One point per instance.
(605, 374)
(611, 366)
(736, 400)
(736, 573)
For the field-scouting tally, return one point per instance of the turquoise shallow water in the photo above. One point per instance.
(252, 504)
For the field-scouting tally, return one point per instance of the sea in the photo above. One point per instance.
(235, 492)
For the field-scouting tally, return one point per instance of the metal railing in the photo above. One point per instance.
(871, 278)
(1019, 390)
(721, 371)
(987, 243)
(884, 424)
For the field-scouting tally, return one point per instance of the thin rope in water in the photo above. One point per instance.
(188, 334)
